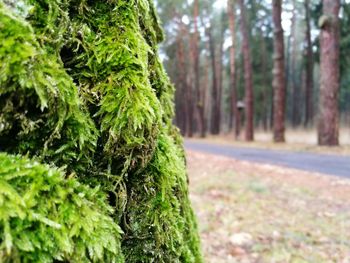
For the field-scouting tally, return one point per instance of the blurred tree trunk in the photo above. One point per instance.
(248, 76)
(234, 109)
(279, 83)
(309, 80)
(294, 87)
(186, 87)
(219, 77)
(328, 128)
(214, 102)
(181, 109)
(196, 60)
(205, 95)
(266, 85)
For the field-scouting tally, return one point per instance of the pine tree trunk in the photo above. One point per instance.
(181, 109)
(190, 115)
(279, 83)
(196, 61)
(265, 82)
(309, 80)
(187, 88)
(219, 79)
(328, 127)
(206, 85)
(214, 89)
(294, 87)
(234, 109)
(248, 76)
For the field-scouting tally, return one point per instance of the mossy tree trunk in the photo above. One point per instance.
(87, 91)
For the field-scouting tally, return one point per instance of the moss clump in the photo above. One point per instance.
(46, 218)
(84, 88)
(40, 112)
(159, 222)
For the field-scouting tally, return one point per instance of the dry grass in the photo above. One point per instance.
(262, 213)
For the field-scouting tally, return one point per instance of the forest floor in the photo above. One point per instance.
(262, 213)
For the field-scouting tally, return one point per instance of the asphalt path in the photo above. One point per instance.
(311, 162)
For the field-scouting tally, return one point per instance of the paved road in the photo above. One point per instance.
(321, 163)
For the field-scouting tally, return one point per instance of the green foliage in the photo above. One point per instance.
(46, 218)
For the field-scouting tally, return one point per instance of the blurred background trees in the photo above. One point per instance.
(228, 65)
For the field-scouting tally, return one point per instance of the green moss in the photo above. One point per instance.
(112, 72)
(119, 133)
(159, 222)
(46, 218)
(40, 112)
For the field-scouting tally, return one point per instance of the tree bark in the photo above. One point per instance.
(186, 87)
(328, 126)
(205, 94)
(214, 103)
(181, 109)
(219, 79)
(206, 84)
(265, 82)
(234, 109)
(294, 87)
(248, 76)
(309, 80)
(279, 83)
(196, 61)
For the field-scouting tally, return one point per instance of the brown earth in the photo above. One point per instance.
(262, 213)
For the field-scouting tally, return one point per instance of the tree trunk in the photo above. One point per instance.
(265, 82)
(214, 102)
(279, 83)
(199, 91)
(206, 84)
(187, 88)
(182, 109)
(309, 80)
(328, 127)
(234, 109)
(219, 79)
(248, 76)
(294, 87)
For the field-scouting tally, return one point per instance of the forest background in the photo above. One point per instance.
(220, 90)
